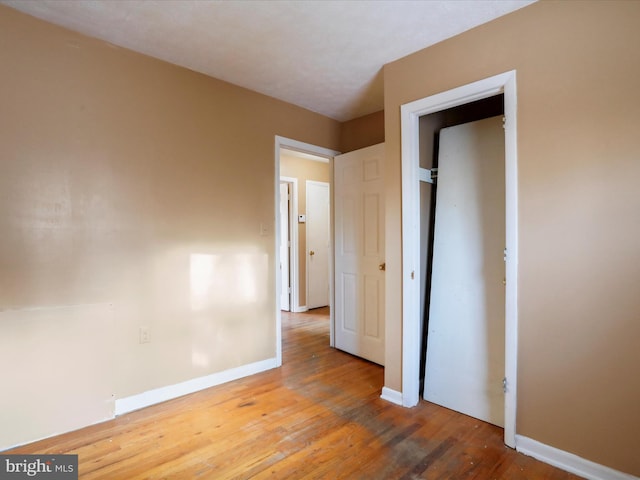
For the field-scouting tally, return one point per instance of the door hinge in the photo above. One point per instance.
(504, 384)
(428, 175)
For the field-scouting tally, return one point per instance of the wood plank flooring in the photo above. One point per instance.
(317, 417)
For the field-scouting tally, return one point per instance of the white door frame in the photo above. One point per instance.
(294, 296)
(290, 144)
(411, 284)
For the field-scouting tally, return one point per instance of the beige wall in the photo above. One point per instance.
(303, 170)
(132, 194)
(362, 132)
(578, 77)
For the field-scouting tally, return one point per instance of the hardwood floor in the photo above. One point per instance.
(317, 417)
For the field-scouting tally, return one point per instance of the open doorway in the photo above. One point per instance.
(299, 165)
(411, 241)
(305, 208)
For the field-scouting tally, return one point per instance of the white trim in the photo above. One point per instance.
(290, 144)
(332, 253)
(162, 394)
(511, 258)
(294, 280)
(391, 395)
(568, 461)
(300, 309)
(305, 156)
(410, 115)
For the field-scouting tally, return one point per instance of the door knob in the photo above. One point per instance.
(312, 253)
(382, 266)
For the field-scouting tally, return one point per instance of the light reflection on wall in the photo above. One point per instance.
(229, 279)
(199, 359)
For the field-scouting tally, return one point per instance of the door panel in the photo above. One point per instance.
(371, 310)
(284, 247)
(349, 312)
(359, 253)
(371, 217)
(318, 236)
(465, 344)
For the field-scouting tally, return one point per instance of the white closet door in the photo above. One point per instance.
(465, 345)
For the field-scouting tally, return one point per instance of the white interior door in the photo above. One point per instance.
(466, 341)
(318, 242)
(359, 252)
(285, 245)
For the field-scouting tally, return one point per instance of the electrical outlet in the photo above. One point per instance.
(145, 335)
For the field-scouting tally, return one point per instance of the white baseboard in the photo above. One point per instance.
(162, 394)
(568, 461)
(299, 309)
(392, 396)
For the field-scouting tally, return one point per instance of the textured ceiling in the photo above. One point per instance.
(325, 56)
